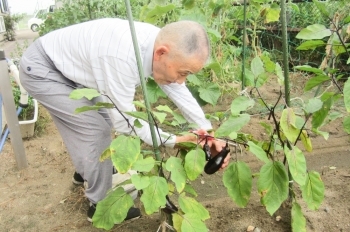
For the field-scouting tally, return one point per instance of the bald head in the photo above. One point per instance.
(185, 39)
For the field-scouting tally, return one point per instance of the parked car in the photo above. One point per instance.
(39, 17)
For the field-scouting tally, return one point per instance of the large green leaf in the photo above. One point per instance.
(140, 182)
(288, 125)
(258, 152)
(296, 164)
(87, 93)
(346, 124)
(315, 31)
(177, 221)
(298, 219)
(153, 196)
(160, 116)
(178, 174)
(257, 67)
(154, 91)
(194, 163)
(210, 93)
(144, 165)
(237, 179)
(313, 190)
(125, 151)
(346, 92)
(240, 104)
(315, 81)
(112, 209)
(191, 223)
(190, 205)
(311, 45)
(273, 185)
(233, 124)
(313, 105)
(164, 108)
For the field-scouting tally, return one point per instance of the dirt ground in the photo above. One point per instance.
(43, 198)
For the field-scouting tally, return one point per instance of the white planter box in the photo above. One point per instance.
(27, 126)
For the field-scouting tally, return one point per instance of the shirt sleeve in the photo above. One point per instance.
(121, 81)
(187, 104)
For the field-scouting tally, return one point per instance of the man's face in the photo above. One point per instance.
(167, 70)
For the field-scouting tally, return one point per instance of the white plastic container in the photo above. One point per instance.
(27, 126)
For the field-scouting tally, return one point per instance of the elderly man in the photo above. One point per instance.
(99, 54)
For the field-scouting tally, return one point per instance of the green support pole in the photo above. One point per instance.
(143, 83)
(285, 51)
(244, 43)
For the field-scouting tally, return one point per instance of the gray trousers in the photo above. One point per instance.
(86, 135)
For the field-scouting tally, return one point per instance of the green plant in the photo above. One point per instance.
(10, 21)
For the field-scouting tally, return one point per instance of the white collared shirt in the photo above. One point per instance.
(99, 54)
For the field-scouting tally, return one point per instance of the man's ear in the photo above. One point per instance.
(160, 51)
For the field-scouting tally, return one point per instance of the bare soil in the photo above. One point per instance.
(43, 198)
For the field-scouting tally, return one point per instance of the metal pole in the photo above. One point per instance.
(285, 51)
(142, 79)
(10, 113)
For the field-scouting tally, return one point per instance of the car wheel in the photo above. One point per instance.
(34, 27)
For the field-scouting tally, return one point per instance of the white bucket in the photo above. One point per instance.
(27, 126)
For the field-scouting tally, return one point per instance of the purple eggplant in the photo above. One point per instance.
(214, 164)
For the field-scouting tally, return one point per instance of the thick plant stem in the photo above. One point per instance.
(285, 51)
(142, 79)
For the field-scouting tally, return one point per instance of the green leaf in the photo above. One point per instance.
(319, 116)
(177, 221)
(280, 75)
(85, 92)
(178, 174)
(105, 155)
(273, 185)
(215, 66)
(160, 116)
(346, 92)
(322, 8)
(210, 93)
(308, 68)
(346, 21)
(268, 64)
(179, 118)
(153, 197)
(348, 62)
(315, 31)
(140, 182)
(164, 108)
(193, 79)
(272, 15)
(296, 163)
(241, 103)
(233, 124)
(313, 105)
(258, 152)
(137, 123)
(298, 219)
(315, 81)
(311, 45)
(346, 124)
(144, 165)
(189, 189)
(257, 67)
(215, 36)
(154, 91)
(313, 190)
(288, 125)
(191, 223)
(157, 12)
(194, 163)
(138, 114)
(306, 140)
(237, 179)
(112, 209)
(188, 4)
(125, 151)
(190, 206)
(139, 104)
